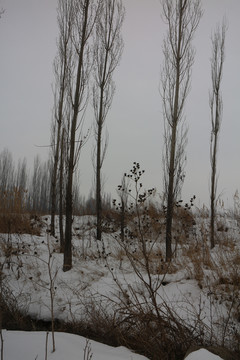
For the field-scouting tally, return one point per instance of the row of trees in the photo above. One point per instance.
(22, 190)
(89, 49)
(182, 18)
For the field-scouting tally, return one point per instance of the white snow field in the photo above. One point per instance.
(200, 288)
(20, 345)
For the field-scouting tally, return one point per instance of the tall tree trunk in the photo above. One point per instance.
(98, 185)
(61, 195)
(170, 197)
(67, 260)
(213, 194)
(54, 183)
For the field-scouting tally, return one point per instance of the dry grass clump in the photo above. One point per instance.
(227, 268)
(217, 269)
(13, 311)
(11, 223)
(197, 258)
(184, 216)
(8, 249)
(138, 328)
(227, 264)
(112, 218)
(13, 214)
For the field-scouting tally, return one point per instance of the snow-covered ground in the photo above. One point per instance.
(199, 288)
(20, 345)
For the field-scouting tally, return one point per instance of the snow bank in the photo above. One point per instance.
(22, 345)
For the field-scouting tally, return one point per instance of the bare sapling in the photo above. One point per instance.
(52, 288)
(123, 205)
(87, 352)
(46, 346)
(50, 283)
(138, 304)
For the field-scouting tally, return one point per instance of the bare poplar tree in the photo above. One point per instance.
(21, 175)
(182, 18)
(83, 20)
(108, 46)
(6, 171)
(39, 187)
(216, 106)
(61, 74)
(36, 184)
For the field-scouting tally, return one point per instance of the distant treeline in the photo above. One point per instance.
(24, 190)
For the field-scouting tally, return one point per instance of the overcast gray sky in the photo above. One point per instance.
(28, 33)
